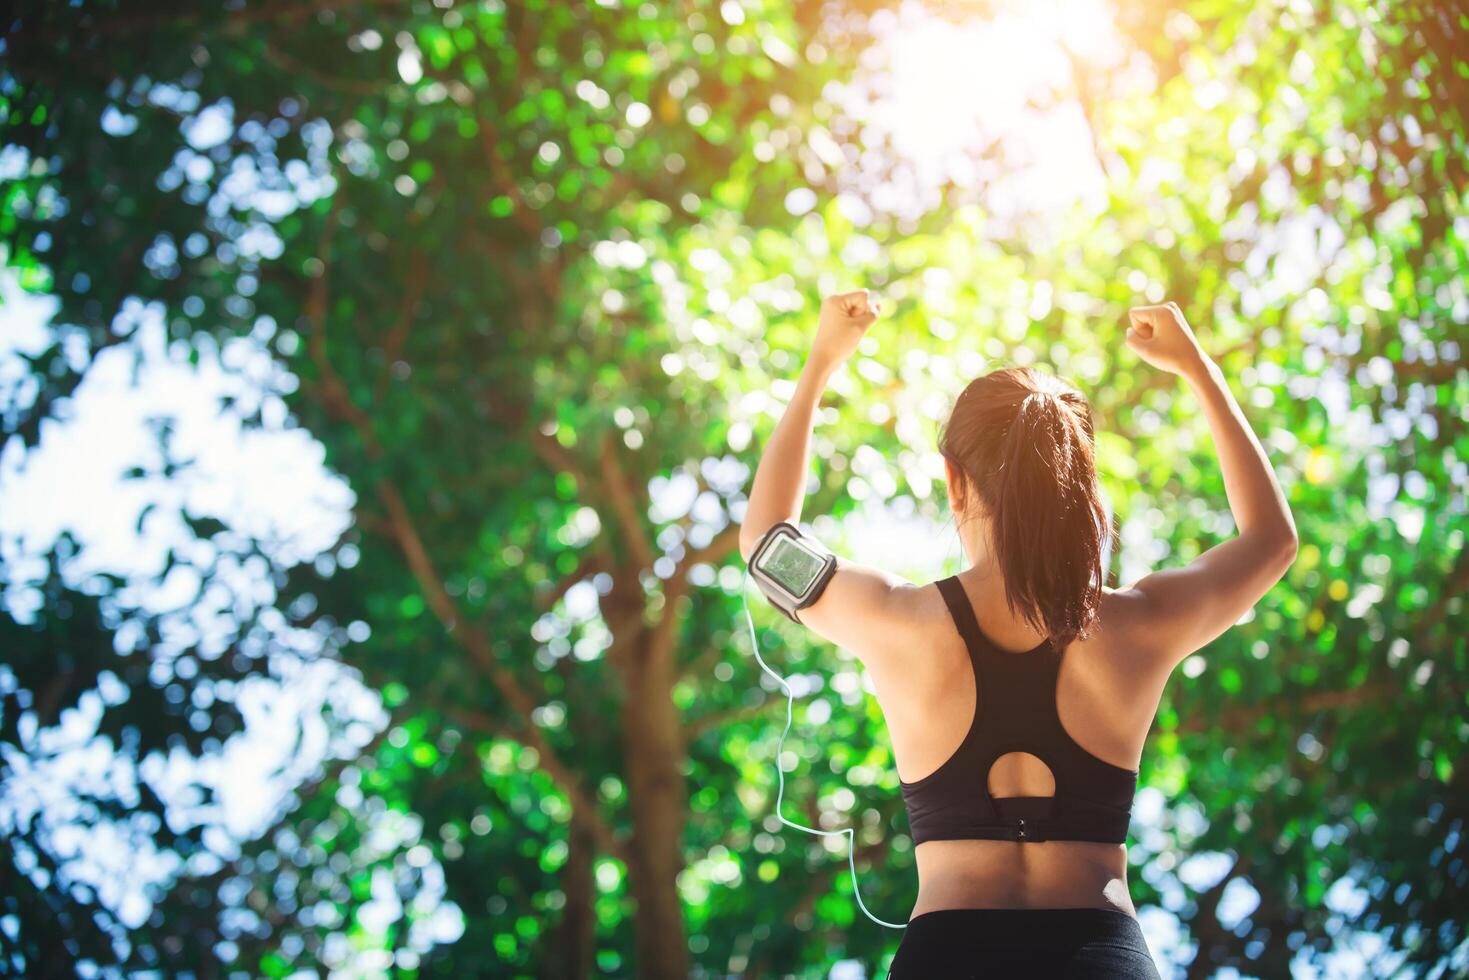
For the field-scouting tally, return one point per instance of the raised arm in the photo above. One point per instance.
(780, 479)
(1173, 612)
(862, 609)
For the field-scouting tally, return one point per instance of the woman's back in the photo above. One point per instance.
(1104, 705)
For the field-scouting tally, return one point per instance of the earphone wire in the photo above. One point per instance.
(848, 832)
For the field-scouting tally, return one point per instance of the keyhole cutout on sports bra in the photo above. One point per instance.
(1020, 774)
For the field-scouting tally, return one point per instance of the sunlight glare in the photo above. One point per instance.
(948, 92)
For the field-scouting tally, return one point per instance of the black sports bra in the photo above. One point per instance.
(1015, 711)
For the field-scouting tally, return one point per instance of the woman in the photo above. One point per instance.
(1018, 693)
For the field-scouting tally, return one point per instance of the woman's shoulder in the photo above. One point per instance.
(922, 604)
(920, 617)
(1123, 631)
(1118, 612)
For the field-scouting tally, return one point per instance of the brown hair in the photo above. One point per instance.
(1024, 440)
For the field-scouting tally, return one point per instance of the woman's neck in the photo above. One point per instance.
(980, 559)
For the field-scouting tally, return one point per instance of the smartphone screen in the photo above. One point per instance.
(791, 565)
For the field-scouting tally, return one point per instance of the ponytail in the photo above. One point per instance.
(1025, 440)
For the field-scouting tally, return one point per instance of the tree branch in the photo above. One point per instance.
(624, 503)
(410, 542)
(331, 390)
(1205, 925)
(292, 65)
(559, 458)
(724, 716)
(1454, 587)
(722, 544)
(279, 12)
(588, 566)
(504, 179)
(703, 662)
(477, 722)
(477, 645)
(821, 880)
(665, 632)
(393, 345)
(1239, 717)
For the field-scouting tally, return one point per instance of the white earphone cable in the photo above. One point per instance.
(848, 832)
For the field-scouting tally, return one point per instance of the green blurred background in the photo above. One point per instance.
(381, 382)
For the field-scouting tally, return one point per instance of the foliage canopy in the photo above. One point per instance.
(537, 272)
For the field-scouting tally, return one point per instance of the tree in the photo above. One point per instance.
(535, 267)
(406, 212)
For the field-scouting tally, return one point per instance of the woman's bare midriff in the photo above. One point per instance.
(980, 874)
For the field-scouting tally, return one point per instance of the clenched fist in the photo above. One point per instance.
(1161, 336)
(845, 318)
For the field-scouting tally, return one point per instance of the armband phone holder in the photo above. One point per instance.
(791, 568)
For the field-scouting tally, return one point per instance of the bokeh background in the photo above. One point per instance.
(380, 386)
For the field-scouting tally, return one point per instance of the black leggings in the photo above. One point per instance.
(1000, 943)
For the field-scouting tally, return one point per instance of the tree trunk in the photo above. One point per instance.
(1213, 939)
(657, 796)
(573, 951)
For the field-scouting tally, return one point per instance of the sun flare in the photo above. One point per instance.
(951, 94)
